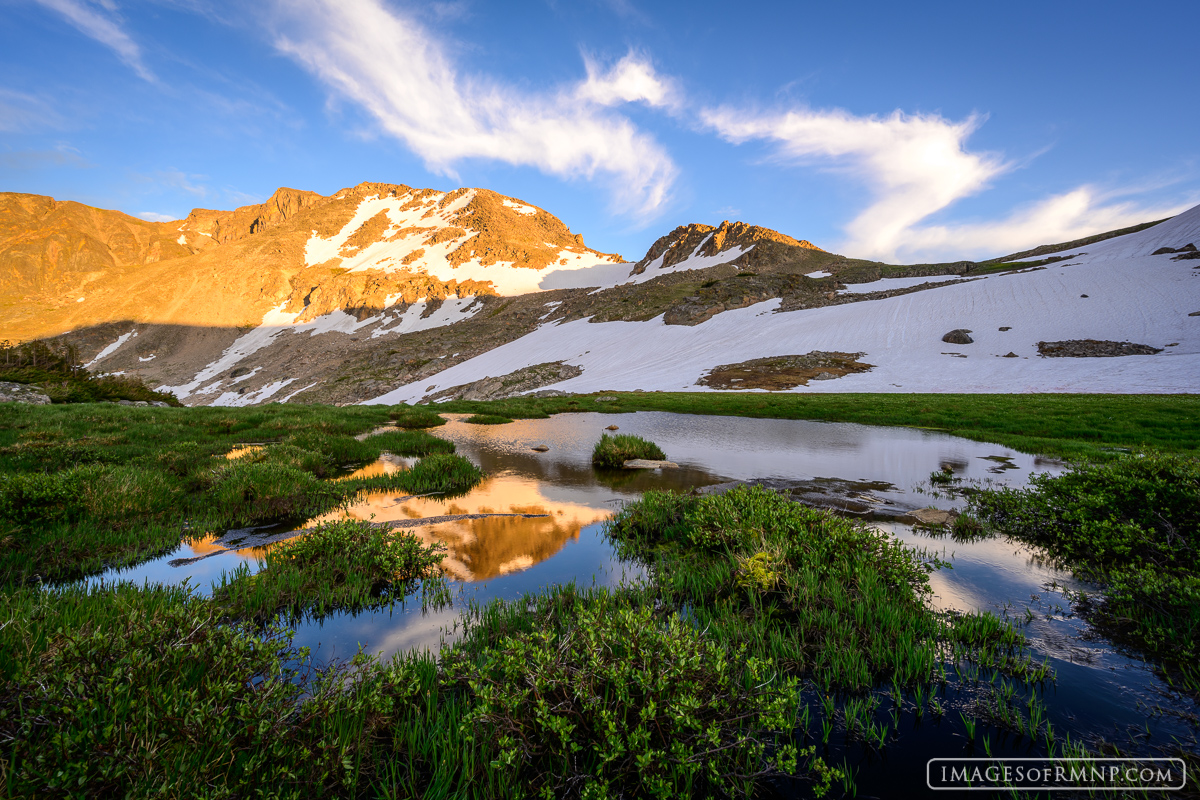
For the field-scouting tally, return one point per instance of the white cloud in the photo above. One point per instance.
(1062, 218)
(915, 164)
(401, 74)
(631, 80)
(151, 216)
(100, 21)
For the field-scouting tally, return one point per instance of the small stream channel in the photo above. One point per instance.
(875, 473)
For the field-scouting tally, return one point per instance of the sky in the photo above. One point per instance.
(900, 132)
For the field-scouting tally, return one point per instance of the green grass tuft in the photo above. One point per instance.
(488, 419)
(611, 452)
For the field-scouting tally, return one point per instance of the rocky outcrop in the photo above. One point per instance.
(20, 393)
(514, 383)
(780, 373)
(1093, 348)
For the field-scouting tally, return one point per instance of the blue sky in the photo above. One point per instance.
(880, 130)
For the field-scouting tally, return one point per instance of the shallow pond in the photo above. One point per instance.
(877, 473)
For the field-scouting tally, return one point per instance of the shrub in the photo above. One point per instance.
(612, 452)
(607, 697)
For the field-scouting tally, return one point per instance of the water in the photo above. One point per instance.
(881, 473)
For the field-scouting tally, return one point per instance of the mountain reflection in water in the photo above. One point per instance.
(480, 549)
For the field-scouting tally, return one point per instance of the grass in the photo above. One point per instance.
(1132, 524)
(488, 419)
(347, 564)
(611, 452)
(1062, 425)
(87, 487)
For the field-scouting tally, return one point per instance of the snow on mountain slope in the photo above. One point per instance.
(277, 321)
(1143, 299)
(427, 232)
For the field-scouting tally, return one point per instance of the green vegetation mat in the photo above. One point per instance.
(717, 673)
(1064, 425)
(87, 487)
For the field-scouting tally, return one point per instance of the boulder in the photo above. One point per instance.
(540, 448)
(933, 516)
(646, 463)
(1006, 327)
(20, 393)
(1011, 354)
(958, 336)
(605, 398)
(1162, 251)
(612, 428)
(1191, 255)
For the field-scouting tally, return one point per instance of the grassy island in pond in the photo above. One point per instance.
(611, 452)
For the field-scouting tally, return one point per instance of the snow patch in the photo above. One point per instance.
(452, 310)
(150, 357)
(1145, 299)
(182, 239)
(112, 348)
(274, 322)
(886, 284)
(819, 274)
(233, 399)
(298, 391)
(520, 208)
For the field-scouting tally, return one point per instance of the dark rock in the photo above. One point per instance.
(1093, 348)
(1083, 295)
(1194, 314)
(540, 448)
(239, 372)
(1187, 248)
(1011, 354)
(1006, 328)
(1162, 251)
(1188, 256)
(612, 428)
(958, 336)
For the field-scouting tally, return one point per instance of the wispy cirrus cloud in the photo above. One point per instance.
(403, 76)
(154, 216)
(23, 113)
(101, 21)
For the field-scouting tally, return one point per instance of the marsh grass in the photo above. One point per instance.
(85, 488)
(488, 419)
(344, 565)
(1064, 425)
(415, 417)
(612, 451)
(821, 596)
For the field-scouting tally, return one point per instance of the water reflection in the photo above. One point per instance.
(479, 549)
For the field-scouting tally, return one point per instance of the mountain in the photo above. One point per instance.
(386, 293)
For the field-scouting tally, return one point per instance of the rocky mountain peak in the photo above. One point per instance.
(697, 239)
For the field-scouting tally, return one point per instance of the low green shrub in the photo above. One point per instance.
(608, 697)
(611, 452)
(1133, 524)
(125, 692)
(246, 491)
